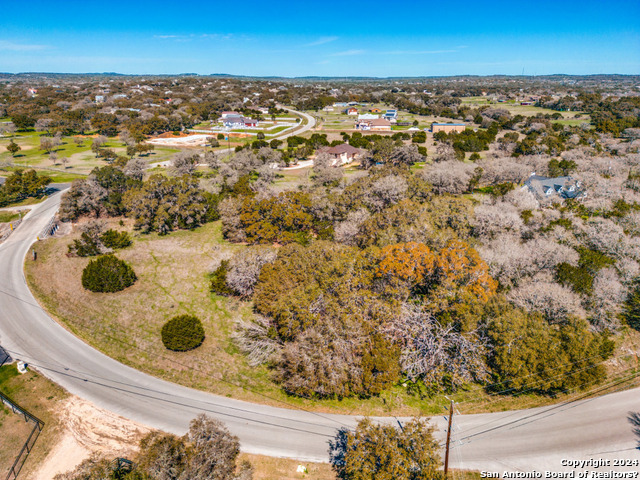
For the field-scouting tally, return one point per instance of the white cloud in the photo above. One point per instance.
(417, 52)
(321, 41)
(20, 47)
(184, 38)
(348, 53)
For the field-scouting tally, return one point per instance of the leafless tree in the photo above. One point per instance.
(386, 191)
(245, 267)
(490, 220)
(628, 269)
(431, 350)
(549, 298)
(406, 155)
(214, 452)
(449, 176)
(7, 128)
(444, 153)
(522, 199)
(135, 168)
(211, 159)
(254, 339)
(608, 237)
(347, 230)
(269, 156)
(606, 302)
(53, 157)
(266, 177)
(185, 163)
(48, 144)
(503, 169)
(44, 125)
(511, 260)
(230, 215)
(126, 138)
(324, 171)
(631, 133)
(98, 141)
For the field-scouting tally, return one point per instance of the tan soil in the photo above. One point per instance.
(89, 430)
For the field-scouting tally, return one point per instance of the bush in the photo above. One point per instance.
(107, 274)
(384, 451)
(85, 246)
(577, 278)
(114, 239)
(182, 333)
(219, 280)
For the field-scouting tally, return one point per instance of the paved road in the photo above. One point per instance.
(311, 122)
(513, 441)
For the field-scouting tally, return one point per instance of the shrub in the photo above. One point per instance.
(383, 451)
(182, 333)
(577, 278)
(114, 239)
(107, 274)
(219, 280)
(85, 246)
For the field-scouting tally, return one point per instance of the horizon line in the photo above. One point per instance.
(329, 77)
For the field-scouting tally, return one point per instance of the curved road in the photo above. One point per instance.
(311, 122)
(519, 440)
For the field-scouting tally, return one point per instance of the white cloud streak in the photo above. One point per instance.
(321, 41)
(347, 53)
(20, 47)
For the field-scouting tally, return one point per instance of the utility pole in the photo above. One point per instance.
(446, 455)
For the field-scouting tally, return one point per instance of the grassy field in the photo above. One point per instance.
(80, 159)
(173, 279)
(7, 216)
(38, 396)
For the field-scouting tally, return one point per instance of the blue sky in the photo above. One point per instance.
(330, 38)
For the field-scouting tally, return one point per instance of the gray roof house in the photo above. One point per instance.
(548, 190)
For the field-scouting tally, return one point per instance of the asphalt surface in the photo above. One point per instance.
(508, 441)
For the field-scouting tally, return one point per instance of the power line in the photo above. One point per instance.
(553, 407)
(194, 367)
(599, 387)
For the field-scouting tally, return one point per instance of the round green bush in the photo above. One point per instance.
(182, 333)
(107, 274)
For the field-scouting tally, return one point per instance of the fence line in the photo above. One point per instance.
(31, 440)
(50, 229)
(15, 224)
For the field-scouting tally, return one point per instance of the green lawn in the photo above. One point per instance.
(7, 216)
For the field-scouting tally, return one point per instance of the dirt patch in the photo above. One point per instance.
(89, 430)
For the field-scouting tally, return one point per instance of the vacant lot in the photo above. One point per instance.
(172, 280)
(38, 396)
